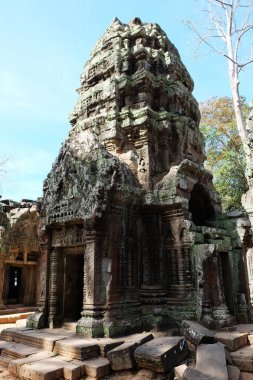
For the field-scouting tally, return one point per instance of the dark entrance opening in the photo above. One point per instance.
(200, 206)
(15, 276)
(227, 281)
(73, 286)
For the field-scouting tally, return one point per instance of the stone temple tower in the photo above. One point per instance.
(129, 207)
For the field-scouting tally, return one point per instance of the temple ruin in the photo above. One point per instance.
(130, 225)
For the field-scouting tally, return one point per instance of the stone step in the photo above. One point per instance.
(16, 309)
(16, 350)
(13, 333)
(15, 365)
(47, 369)
(97, 368)
(162, 354)
(5, 360)
(60, 367)
(13, 318)
(243, 359)
(233, 340)
(77, 348)
(4, 374)
(40, 339)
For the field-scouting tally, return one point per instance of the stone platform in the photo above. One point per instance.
(53, 354)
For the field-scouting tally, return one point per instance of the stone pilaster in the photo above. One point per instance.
(55, 291)
(91, 323)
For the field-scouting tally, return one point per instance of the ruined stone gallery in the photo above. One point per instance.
(129, 234)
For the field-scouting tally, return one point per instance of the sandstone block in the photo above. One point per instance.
(15, 365)
(3, 344)
(97, 368)
(179, 371)
(244, 328)
(194, 374)
(246, 376)
(122, 357)
(108, 344)
(71, 371)
(250, 339)
(243, 358)
(48, 369)
(196, 333)
(232, 340)
(233, 372)
(211, 361)
(161, 354)
(77, 348)
(5, 360)
(43, 340)
(51, 369)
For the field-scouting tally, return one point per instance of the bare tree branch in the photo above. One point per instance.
(230, 21)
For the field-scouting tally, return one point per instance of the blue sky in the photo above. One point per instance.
(43, 47)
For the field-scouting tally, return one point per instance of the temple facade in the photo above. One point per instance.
(133, 232)
(21, 254)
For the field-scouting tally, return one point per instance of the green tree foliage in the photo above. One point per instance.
(225, 154)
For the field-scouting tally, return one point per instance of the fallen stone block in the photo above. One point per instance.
(244, 328)
(232, 340)
(179, 371)
(229, 359)
(97, 368)
(243, 358)
(250, 339)
(146, 374)
(196, 333)
(122, 357)
(162, 354)
(108, 344)
(194, 374)
(211, 361)
(233, 372)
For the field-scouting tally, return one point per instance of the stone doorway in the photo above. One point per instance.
(227, 281)
(73, 286)
(14, 295)
(200, 206)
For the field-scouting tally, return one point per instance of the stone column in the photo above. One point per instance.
(55, 289)
(91, 322)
